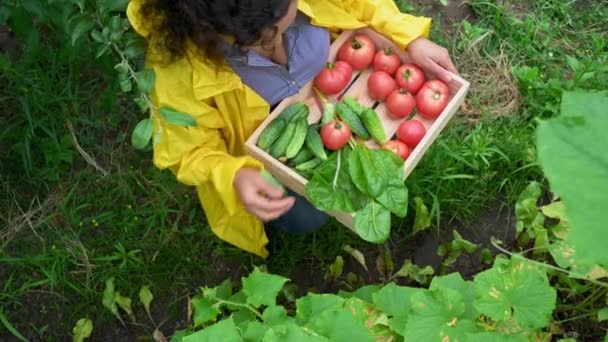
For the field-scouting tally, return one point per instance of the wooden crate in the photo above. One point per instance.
(358, 89)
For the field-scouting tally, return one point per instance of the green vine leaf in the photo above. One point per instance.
(422, 220)
(125, 304)
(82, 330)
(145, 297)
(108, 300)
(395, 301)
(262, 288)
(142, 134)
(146, 79)
(515, 291)
(177, 118)
(79, 26)
(204, 310)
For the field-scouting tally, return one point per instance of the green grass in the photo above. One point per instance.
(138, 225)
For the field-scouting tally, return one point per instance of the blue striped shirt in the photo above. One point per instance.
(307, 52)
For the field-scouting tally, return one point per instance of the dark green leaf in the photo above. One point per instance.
(135, 47)
(373, 223)
(146, 79)
(224, 331)
(79, 26)
(262, 288)
(422, 221)
(142, 134)
(177, 118)
(345, 197)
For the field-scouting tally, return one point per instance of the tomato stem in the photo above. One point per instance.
(356, 45)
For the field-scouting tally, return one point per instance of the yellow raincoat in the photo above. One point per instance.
(228, 111)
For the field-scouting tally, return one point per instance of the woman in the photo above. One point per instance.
(226, 63)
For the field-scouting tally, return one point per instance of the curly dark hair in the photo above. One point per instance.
(204, 22)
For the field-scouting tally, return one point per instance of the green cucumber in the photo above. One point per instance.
(293, 110)
(315, 144)
(297, 141)
(353, 105)
(280, 146)
(329, 113)
(303, 156)
(309, 165)
(352, 120)
(273, 181)
(271, 133)
(374, 125)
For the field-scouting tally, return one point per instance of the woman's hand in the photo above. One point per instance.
(259, 197)
(432, 57)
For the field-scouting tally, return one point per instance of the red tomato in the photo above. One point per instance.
(398, 147)
(410, 77)
(400, 103)
(432, 99)
(411, 132)
(335, 134)
(380, 85)
(358, 52)
(386, 60)
(334, 77)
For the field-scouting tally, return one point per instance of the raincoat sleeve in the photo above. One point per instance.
(197, 155)
(382, 15)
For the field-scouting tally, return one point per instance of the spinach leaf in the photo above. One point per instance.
(345, 197)
(365, 173)
(373, 223)
(394, 197)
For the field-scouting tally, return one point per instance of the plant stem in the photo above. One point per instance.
(339, 164)
(240, 305)
(542, 264)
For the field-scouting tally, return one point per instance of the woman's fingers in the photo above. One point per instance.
(268, 209)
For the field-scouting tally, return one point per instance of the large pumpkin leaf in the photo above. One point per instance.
(517, 292)
(262, 288)
(455, 282)
(572, 152)
(224, 331)
(437, 316)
